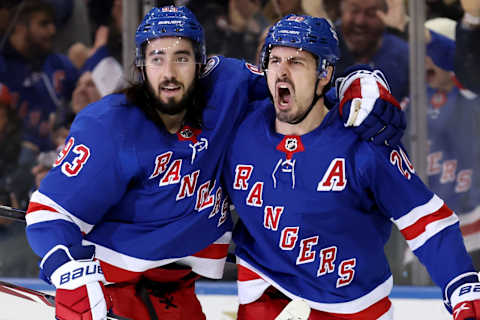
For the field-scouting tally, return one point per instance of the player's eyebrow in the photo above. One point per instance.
(162, 52)
(289, 58)
(185, 52)
(297, 58)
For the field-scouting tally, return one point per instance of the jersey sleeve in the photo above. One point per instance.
(86, 181)
(430, 228)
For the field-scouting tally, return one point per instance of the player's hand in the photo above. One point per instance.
(468, 310)
(396, 16)
(367, 105)
(78, 279)
(466, 302)
(86, 302)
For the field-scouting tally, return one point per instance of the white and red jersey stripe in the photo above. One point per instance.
(118, 266)
(43, 209)
(425, 221)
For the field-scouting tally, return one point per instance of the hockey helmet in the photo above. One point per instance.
(170, 21)
(312, 34)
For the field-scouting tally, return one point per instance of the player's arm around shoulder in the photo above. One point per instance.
(232, 74)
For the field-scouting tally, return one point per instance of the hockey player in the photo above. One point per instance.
(134, 199)
(316, 203)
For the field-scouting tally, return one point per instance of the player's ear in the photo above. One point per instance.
(322, 82)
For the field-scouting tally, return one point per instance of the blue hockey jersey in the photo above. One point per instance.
(142, 196)
(40, 91)
(316, 211)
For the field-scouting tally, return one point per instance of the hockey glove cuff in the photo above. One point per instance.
(78, 279)
(464, 297)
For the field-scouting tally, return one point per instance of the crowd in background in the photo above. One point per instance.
(57, 56)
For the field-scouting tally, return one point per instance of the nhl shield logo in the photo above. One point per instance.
(291, 144)
(186, 133)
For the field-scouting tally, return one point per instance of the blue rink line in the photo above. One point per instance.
(230, 288)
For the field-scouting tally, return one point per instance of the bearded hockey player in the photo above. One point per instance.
(316, 203)
(133, 211)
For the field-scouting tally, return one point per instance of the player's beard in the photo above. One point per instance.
(291, 118)
(172, 107)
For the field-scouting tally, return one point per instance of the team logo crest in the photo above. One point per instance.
(253, 68)
(209, 66)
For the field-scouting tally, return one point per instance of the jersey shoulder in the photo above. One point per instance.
(218, 66)
(112, 112)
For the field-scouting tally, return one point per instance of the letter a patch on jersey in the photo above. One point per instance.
(334, 179)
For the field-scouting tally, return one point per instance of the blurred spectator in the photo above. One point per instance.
(444, 8)
(275, 9)
(332, 8)
(10, 144)
(453, 119)
(467, 62)
(232, 27)
(72, 24)
(315, 8)
(40, 80)
(99, 13)
(5, 13)
(104, 59)
(85, 93)
(16, 258)
(364, 39)
(45, 162)
(109, 36)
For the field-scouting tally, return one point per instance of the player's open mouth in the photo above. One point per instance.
(170, 89)
(284, 95)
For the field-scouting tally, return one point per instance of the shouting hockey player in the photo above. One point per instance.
(133, 211)
(316, 203)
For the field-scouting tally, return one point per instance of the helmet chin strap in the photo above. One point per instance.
(314, 102)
